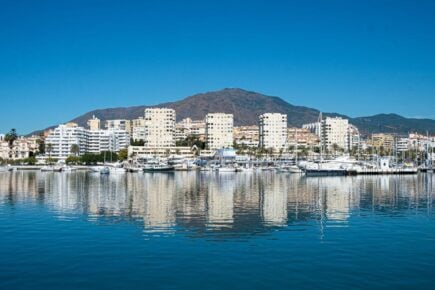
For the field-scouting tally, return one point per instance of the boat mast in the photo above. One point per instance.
(321, 138)
(296, 139)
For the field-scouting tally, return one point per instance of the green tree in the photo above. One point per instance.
(137, 142)
(335, 147)
(30, 161)
(10, 137)
(41, 146)
(75, 149)
(73, 160)
(123, 154)
(191, 140)
(49, 149)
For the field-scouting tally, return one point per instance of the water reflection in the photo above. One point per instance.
(236, 204)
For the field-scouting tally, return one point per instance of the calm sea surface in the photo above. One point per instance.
(189, 230)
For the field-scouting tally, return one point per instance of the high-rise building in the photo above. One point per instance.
(138, 129)
(119, 124)
(273, 131)
(94, 123)
(353, 138)
(159, 127)
(61, 140)
(219, 130)
(335, 132)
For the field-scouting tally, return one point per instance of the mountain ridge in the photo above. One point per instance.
(248, 105)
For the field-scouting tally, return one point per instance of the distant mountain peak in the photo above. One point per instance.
(247, 105)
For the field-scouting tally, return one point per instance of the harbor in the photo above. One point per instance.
(196, 223)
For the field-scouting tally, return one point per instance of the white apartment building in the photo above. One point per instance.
(273, 131)
(138, 129)
(94, 123)
(354, 138)
(119, 124)
(21, 148)
(159, 127)
(188, 127)
(107, 140)
(247, 136)
(219, 130)
(59, 142)
(335, 131)
(62, 138)
(402, 144)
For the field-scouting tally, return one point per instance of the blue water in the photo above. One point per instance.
(208, 231)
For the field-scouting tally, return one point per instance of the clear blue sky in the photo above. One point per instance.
(59, 59)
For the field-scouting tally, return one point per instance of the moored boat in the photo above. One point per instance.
(51, 168)
(161, 167)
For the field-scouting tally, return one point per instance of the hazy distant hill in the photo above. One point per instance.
(247, 106)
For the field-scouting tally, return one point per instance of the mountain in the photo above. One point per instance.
(247, 106)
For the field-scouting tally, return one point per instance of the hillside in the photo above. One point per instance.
(247, 106)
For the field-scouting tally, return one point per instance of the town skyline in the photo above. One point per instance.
(210, 94)
(63, 60)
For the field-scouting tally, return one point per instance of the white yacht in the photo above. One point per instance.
(51, 168)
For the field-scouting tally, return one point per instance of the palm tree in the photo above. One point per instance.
(335, 147)
(49, 148)
(10, 138)
(75, 149)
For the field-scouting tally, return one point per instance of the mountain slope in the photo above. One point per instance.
(247, 106)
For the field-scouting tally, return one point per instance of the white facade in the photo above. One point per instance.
(159, 127)
(402, 144)
(273, 131)
(20, 149)
(335, 131)
(119, 124)
(94, 123)
(354, 138)
(188, 127)
(219, 130)
(138, 129)
(62, 138)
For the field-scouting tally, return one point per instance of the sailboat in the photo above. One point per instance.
(295, 168)
(321, 167)
(105, 169)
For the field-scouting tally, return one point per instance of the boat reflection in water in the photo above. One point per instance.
(227, 205)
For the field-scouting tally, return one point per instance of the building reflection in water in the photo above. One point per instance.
(199, 202)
